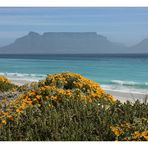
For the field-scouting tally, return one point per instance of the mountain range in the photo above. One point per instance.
(69, 42)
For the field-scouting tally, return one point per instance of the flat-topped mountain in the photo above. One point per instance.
(63, 42)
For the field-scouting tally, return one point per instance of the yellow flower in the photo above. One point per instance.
(146, 137)
(38, 96)
(39, 105)
(49, 105)
(46, 97)
(145, 134)
(136, 134)
(19, 110)
(4, 122)
(68, 93)
(53, 97)
(116, 131)
(32, 93)
(29, 102)
(11, 118)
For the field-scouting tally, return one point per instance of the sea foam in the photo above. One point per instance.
(23, 76)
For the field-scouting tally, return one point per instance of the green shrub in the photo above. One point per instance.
(6, 85)
(74, 120)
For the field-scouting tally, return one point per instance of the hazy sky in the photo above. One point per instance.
(126, 25)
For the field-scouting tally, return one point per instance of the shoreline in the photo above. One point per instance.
(127, 96)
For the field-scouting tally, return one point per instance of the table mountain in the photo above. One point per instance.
(62, 42)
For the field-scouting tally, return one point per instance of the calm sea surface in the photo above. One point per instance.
(115, 72)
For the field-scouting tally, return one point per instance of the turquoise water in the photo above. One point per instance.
(116, 72)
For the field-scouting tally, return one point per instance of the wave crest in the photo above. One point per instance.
(23, 76)
(130, 83)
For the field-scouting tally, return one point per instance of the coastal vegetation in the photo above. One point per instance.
(68, 107)
(6, 85)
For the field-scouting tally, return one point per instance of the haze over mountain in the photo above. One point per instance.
(69, 42)
(141, 47)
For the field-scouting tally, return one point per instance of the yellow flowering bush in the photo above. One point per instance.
(75, 82)
(67, 106)
(54, 88)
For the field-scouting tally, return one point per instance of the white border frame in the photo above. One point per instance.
(74, 3)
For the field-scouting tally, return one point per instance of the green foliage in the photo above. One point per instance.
(4, 86)
(27, 87)
(75, 120)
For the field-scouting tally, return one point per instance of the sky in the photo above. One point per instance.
(125, 25)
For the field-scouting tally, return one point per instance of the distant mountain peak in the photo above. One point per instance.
(144, 40)
(141, 47)
(31, 33)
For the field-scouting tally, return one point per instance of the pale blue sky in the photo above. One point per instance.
(126, 25)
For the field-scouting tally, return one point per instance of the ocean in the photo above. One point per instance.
(121, 72)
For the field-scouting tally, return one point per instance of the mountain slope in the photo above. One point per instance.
(141, 47)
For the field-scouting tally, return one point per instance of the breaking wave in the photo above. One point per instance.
(130, 83)
(126, 86)
(23, 76)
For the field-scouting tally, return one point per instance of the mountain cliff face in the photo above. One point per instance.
(62, 42)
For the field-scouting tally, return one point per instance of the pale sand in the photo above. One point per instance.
(21, 82)
(127, 96)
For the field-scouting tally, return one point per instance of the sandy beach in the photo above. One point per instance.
(21, 82)
(128, 96)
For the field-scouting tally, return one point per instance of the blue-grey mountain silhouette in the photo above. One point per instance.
(63, 42)
(141, 47)
(69, 42)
